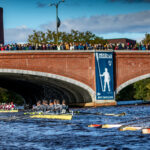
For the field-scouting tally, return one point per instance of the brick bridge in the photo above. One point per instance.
(67, 75)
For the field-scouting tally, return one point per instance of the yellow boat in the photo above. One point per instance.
(8, 111)
(54, 116)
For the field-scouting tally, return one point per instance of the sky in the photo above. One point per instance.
(105, 18)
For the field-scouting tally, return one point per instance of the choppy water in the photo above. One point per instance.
(42, 134)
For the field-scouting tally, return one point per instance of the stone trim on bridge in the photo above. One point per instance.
(129, 82)
(53, 76)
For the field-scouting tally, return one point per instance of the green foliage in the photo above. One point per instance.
(142, 89)
(146, 39)
(137, 91)
(9, 96)
(39, 37)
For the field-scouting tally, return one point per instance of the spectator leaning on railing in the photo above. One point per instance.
(74, 46)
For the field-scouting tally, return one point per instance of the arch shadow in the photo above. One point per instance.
(34, 85)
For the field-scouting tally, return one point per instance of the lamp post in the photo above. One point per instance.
(57, 19)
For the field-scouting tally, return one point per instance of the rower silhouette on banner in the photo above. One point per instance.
(106, 80)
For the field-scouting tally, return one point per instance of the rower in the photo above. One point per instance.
(64, 107)
(54, 105)
(57, 106)
(38, 106)
(12, 106)
(45, 105)
(51, 106)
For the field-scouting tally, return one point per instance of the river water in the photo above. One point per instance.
(20, 132)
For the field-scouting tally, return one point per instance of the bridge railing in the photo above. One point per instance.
(70, 51)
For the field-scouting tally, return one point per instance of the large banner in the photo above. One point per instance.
(104, 76)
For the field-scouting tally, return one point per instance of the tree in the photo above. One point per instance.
(49, 36)
(137, 91)
(146, 40)
(9, 96)
(142, 89)
(43, 38)
(39, 37)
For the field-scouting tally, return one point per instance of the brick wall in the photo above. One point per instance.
(130, 65)
(75, 65)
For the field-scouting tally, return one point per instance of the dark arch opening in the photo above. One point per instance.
(33, 88)
(7, 96)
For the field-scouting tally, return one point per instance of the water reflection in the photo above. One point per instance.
(21, 132)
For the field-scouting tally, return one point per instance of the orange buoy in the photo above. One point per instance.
(146, 131)
(95, 125)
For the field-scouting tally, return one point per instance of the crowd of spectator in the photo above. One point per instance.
(75, 46)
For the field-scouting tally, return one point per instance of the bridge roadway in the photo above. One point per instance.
(67, 75)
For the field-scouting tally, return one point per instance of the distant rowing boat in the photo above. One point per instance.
(8, 111)
(53, 116)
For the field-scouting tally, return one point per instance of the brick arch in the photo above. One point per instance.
(131, 81)
(53, 76)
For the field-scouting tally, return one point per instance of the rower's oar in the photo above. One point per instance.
(104, 114)
(14, 118)
(33, 113)
(86, 113)
(116, 115)
(143, 118)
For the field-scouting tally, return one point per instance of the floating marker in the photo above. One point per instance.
(95, 125)
(146, 131)
(129, 128)
(111, 125)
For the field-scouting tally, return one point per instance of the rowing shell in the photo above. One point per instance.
(51, 116)
(8, 111)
